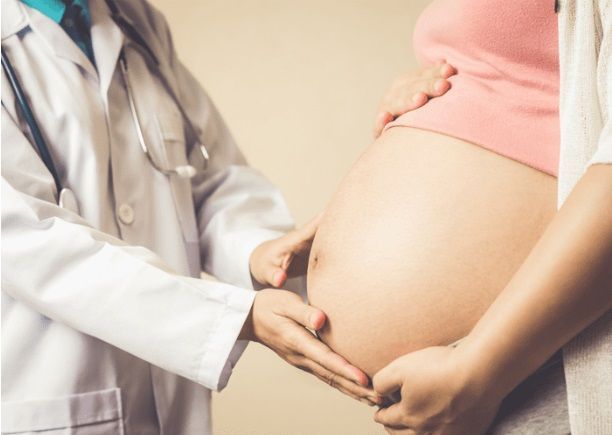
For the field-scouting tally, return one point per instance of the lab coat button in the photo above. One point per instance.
(126, 214)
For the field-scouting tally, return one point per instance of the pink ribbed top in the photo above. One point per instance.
(505, 96)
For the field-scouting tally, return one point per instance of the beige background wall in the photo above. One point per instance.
(298, 82)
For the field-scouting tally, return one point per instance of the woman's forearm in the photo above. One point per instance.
(563, 286)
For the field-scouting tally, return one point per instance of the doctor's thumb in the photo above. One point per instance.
(315, 318)
(304, 314)
(277, 277)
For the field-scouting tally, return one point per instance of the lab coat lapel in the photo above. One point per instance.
(13, 18)
(58, 40)
(107, 40)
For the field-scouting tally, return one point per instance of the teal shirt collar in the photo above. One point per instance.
(55, 9)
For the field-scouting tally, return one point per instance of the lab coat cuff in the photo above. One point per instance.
(223, 349)
(235, 354)
(248, 243)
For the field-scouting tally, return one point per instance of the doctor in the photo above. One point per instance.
(106, 327)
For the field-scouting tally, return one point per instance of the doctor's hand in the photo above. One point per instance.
(281, 321)
(411, 91)
(439, 394)
(274, 261)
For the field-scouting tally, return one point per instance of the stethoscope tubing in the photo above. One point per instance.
(39, 140)
(184, 171)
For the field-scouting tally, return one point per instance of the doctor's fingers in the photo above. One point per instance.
(313, 349)
(344, 385)
(295, 310)
(300, 240)
(310, 228)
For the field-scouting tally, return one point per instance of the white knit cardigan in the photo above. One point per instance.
(585, 49)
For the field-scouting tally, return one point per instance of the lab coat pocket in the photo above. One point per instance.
(172, 135)
(93, 413)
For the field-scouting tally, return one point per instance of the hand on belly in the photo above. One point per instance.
(421, 236)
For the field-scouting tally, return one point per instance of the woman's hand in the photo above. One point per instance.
(281, 321)
(411, 91)
(439, 395)
(274, 261)
(562, 287)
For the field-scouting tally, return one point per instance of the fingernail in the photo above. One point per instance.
(360, 380)
(447, 70)
(376, 399)
(286, 262)
(417, 98)
(313, 320)
(277, 278)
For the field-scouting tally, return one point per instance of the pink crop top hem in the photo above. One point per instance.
(505, 97)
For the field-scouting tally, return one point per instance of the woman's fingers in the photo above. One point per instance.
(433, 87)
(439, 87)
(433, 81)
(382, 119)
(388, 380)
(413, 97)
(446, 70)
(402, 103)
(412, 91)
(441, 69)
(392, 431)
(391, 417)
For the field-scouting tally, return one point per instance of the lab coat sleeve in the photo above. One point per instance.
(237, 207)
(60, 266)
(121, 294)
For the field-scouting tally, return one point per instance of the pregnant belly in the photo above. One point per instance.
(421, 236)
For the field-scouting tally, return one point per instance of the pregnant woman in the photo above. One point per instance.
(439, 217)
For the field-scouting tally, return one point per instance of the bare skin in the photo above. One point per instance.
(423, 234)
(279, 319)
(562, 287)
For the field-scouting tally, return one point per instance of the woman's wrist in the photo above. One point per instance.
(482, 372)
(550, 299)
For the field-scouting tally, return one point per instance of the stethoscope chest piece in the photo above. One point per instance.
(68, 201)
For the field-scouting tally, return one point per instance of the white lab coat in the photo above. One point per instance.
(105, 327)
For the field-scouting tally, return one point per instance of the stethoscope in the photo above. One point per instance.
(66, 198)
